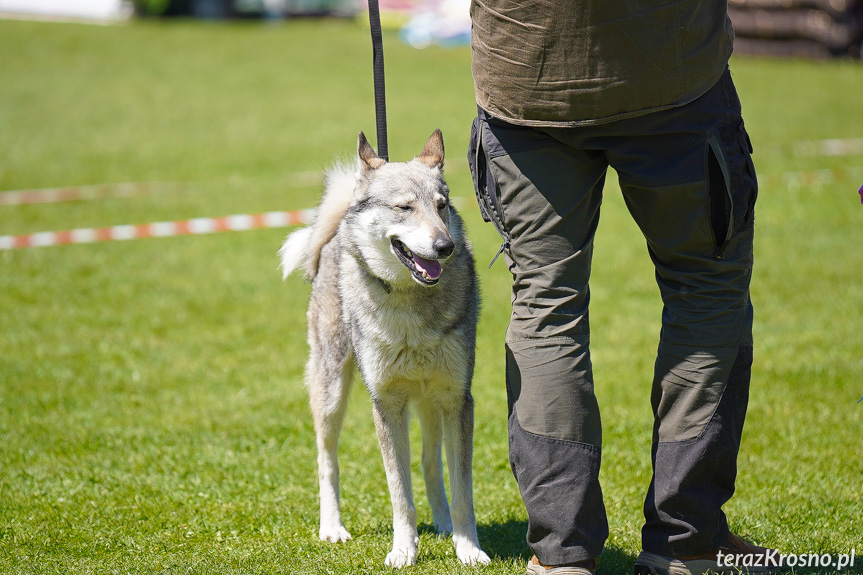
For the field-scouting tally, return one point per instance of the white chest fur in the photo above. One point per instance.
(405, 346)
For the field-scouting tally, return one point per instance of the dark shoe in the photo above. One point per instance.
(733, 557)
(534, 567)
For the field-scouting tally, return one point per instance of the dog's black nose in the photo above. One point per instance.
(444, 247)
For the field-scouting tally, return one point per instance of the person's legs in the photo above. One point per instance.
(690, 185)
(545, 198)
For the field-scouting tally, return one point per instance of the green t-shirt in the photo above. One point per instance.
(582, 62)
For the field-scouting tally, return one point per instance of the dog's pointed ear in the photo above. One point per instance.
(367, 155)
(432, 154)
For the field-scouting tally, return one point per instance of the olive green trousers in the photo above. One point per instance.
(689, 183)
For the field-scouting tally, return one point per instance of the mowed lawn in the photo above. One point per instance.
(152, 411)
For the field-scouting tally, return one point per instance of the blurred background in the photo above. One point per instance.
(800, 28)
(153, 416)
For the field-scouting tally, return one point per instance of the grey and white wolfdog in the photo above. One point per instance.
(395, 293)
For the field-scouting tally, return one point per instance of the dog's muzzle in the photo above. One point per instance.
(426, 272)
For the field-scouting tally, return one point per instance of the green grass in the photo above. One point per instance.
(152, 412)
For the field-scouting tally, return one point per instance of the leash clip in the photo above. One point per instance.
(503, 246)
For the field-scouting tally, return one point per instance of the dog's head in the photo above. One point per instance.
(404, 214)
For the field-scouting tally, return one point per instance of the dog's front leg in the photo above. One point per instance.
(458, 438)
(391, 423)
(432, 462)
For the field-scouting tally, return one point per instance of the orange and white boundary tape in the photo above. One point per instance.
(196, 226)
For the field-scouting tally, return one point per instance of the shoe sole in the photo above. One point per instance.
(540, 570)
(653, 564)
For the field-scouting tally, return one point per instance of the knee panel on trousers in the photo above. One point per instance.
(550, 385)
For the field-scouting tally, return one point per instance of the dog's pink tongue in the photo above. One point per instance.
(432, 268)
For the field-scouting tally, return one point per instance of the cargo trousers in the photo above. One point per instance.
(688, 181)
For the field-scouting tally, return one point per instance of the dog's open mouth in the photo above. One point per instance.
(426, 272)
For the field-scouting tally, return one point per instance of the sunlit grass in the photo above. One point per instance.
(152, 412)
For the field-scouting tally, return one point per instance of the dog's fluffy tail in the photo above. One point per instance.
(302, 248)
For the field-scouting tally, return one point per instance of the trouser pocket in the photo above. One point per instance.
(749, 177)
(732, 184)
(719, 192)
(485, 186)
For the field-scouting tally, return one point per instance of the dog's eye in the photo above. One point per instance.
(405, 207)
(442, 206)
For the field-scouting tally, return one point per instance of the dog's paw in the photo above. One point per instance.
(401, 558)
(334, 534)
(470, 554)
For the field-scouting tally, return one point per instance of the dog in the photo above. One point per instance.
(394, 293)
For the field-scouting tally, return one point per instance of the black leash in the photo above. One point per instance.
(378, 66)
